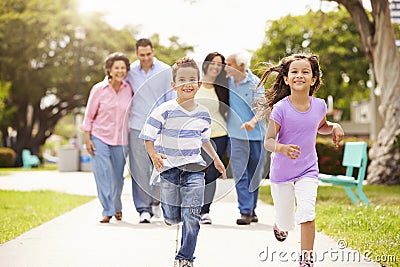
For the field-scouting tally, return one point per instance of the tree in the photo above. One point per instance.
(333, 36)
(4, 98)
(171, 53)
(378, 40)
(4, 91)
(40, 55)
(43, 70)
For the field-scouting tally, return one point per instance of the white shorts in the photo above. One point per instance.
(294, 202)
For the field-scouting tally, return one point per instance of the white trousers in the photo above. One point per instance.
(294, 202)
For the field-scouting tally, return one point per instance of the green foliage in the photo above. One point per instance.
(334, 37)
(4, 89)
(174, 51)
(7, 157)
(372, 229)
(396, 28)
(66, 127)
(52, 73)
(22, 211)
(396, 143)
(5, 110)
(329, 157)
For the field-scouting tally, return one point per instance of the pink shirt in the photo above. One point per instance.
(107, 113)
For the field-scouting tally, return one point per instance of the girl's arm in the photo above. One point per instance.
(270, 143)
(208, 148)
(156, 158)
(327, 127)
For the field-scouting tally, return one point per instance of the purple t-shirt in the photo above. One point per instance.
(299, 128)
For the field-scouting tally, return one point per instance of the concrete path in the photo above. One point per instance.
(77, 239)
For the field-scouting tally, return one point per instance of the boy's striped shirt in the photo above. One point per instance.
(178, 133)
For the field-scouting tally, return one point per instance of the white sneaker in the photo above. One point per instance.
(145, 217)
(205, 219)
(156, 209)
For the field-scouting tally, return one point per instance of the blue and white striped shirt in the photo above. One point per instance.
(178, 133)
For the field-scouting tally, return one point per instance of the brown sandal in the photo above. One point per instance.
(118, 215)
(106, 219)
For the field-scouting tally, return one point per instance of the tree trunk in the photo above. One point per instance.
(379, 43)
(42, 120)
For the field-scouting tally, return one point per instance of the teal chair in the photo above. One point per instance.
(354, 156)
(29, 160)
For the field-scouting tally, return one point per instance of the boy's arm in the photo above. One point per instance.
(208, 148)
(327, 127)
(156, 158)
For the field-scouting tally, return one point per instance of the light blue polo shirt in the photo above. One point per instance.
(241, 97)
(149, 90)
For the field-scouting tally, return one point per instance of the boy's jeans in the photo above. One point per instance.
(182, 194)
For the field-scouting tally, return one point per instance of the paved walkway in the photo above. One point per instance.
(77, 239)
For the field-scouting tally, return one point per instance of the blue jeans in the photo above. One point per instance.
(247, 162)
(140, 167)
(181, 197)
(220, 144)
(108, 168)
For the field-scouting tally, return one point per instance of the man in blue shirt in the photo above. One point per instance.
(246, 135)
(150, 81)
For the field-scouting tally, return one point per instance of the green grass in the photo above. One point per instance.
(42, 167)
(22, 211)
(373, 230)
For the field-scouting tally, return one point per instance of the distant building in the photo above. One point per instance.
(360, 118)
(394, 6)
(360, 111)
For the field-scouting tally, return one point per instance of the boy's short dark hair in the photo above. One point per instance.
(185, 62)
(143, 43)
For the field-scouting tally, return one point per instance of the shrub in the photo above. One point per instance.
(7, 157)
(330, 158)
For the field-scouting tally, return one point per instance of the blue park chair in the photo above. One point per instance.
(354, 156)
(29, 160)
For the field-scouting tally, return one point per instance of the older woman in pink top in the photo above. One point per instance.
(106, 133)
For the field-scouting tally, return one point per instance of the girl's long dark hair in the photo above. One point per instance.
(220, 83)
(279, 88)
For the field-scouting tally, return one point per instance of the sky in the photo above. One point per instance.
(226, 26)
